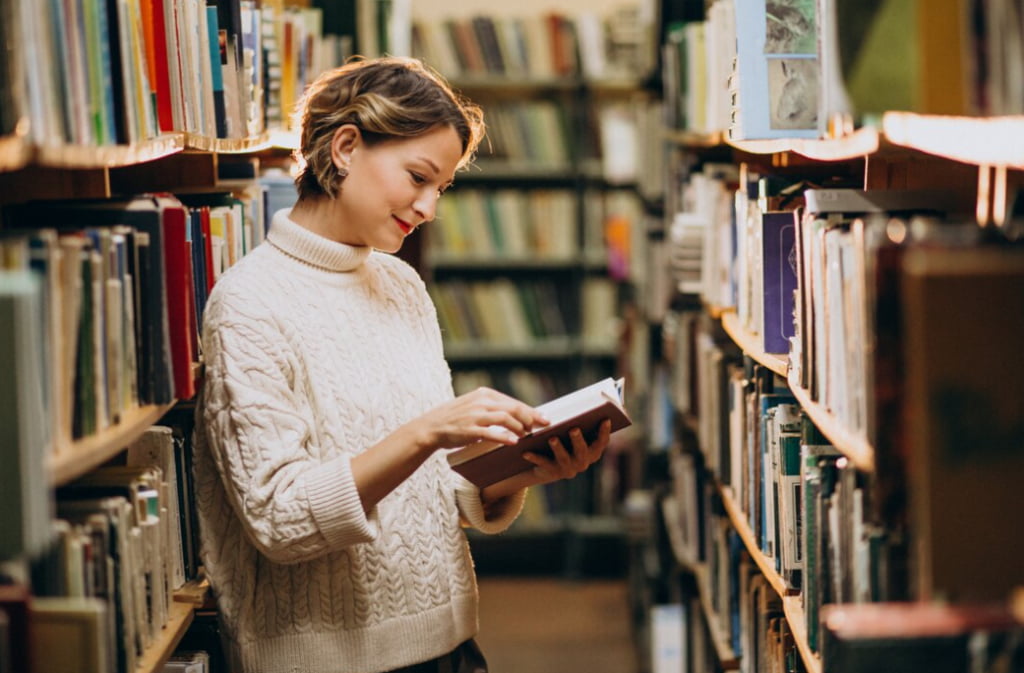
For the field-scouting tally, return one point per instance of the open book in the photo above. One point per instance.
(487, 462)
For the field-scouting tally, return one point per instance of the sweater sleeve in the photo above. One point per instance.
(501, 514)
(293, 504)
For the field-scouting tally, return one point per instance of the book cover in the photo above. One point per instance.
(486, 462)
(777, 69)
(25, 498)
(778, 266)
(68, 635)
(178, 283)
(963, 316)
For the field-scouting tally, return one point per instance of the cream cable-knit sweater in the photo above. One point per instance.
(315, 351)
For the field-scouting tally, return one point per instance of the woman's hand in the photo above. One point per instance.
(483, 414)
(566, 464)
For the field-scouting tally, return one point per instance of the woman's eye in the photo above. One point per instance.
(417, 178)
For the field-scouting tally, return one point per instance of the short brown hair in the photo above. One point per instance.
(385, 98)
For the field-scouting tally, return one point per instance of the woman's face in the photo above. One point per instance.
(392, 187)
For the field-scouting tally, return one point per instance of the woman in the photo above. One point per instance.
(330, 520)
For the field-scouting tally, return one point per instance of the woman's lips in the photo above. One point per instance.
(404, 226)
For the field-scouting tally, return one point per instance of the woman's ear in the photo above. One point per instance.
(346, 139)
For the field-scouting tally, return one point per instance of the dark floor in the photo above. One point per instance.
(552, 625)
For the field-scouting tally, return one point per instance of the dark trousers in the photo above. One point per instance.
(466, 658)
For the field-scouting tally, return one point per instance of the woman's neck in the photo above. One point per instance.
(319, 215)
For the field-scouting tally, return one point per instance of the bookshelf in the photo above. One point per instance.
(717, 366)
(82, 456)
(544, 160)
(76, 136)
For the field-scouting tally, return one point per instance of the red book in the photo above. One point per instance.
(177, 264)
(162, 84)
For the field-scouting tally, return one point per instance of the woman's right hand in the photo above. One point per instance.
(483, 414)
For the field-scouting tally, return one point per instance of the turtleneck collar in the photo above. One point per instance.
(295, 240)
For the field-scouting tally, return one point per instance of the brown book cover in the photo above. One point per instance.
(486, 462)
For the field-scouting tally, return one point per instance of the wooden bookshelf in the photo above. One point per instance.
(695, 139)
(70, 462)
(854, 446)
(979, 141)
(552, 348)
(792, 603)
(180, 614)
(742, 527)
(750, 343)
(440, 261)
(793, 608)
(856, 145)
(274, 139)
(494, 169)
(108, 156)
(727, 659)
(15, 153)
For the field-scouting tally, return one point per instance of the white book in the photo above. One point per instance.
(25, 495)
(487, 462)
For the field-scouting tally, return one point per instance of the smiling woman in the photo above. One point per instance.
(330, 521)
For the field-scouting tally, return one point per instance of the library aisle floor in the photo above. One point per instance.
(554, 625)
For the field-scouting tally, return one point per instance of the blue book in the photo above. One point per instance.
(778, 238)
(216, 71)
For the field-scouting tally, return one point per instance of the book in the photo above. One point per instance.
(67, 635)
(779, 280)
(777, 70)
(963, 317)
(487, 462)
(919, 636)
(25, 438)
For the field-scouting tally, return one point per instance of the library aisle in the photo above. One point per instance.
(555, 625)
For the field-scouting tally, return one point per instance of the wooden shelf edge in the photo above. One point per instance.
(108, 156)
(979, 141)
(739, 522)
(695, 139)
(748, 342)
(72, 461)
(468, 261)
(540, 349)
(727, 659)
(791, 600)
(179, 619)
(862, 142)
(854, 447)
(193, 592)
(794, 611)
(195, 141)
(15, 153)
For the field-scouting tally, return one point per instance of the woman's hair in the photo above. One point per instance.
(385, 98)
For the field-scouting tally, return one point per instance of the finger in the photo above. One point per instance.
(498, 433)
(597, 448)
(503, 419)
(562, 457)
(579, 443)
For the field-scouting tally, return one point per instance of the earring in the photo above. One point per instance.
(343, 172)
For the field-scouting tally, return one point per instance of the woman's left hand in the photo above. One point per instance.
(567, 463)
